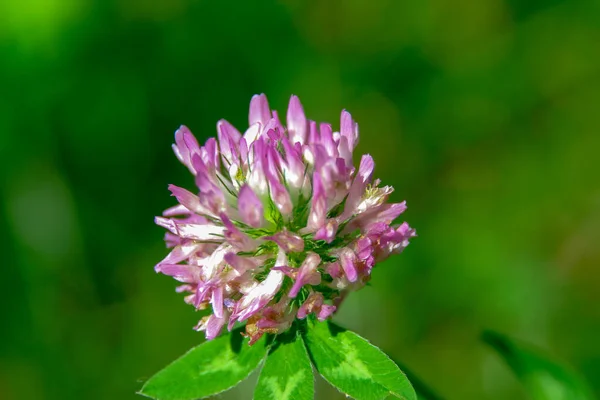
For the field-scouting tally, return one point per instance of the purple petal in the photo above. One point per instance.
(311, 304)
(348, 260)
(345, 151)
(243, 151)
(318, 209)
(212, 325)
(313, 133)
(259, 110)
(327, 232)
(383, 214)
(325, 312)
(252, 133)
(179, 253)
(257, 178)
(179, 209)
(278, 124)
(334, 269)
(406, 230)
(202, 232)
(217, 301)
(280, 197)
(306, 274)
(212, 196)
(187, 199)
(226, 130)
(296, 121)
(235, 236)
(258, 297)
(250, 207)
(327, 140)
(181, 272)
(288, 241)
(349, 129)
(359, 184)
(229, 138)
(287, 270)
(210, 154)
(294, 167)
(239, 263)
(363, 248)
(185, 147)
(389, 212)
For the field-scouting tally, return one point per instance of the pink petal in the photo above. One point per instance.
(296, 121)
(229, 138)
(185, 147)
(175, 211)
(318, 209)
(258, 297)
(306, 274)
(287, 241)
(181, 272)
(259, 110)
(210, 154)
(327, 232)
(348, 261)
(349, 129)
(313, 133)
(311, 304)
(250, 207)
(187, 199)
(179, 253)
(357, 189)
(235, 236)
(327, 140)
(294, 167)
(325, 312)
(212, 325)
(280, 197)
(240, 264)
(217, 301)
(252, 133)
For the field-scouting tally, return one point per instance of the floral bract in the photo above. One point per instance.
(282, 225)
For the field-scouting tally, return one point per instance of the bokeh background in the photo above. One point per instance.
(483, 115)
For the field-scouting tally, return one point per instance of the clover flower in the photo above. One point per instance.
(282, 225)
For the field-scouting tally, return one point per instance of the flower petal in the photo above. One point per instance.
(357, 189)
(217, 301)
(259, 110)
(185, 147)
(318, 208)
(287, 241)
(348, 261)
(250, 207)
(259, 296)
(307, 273)
(296, 121)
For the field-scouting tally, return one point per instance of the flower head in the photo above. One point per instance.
(282, 225)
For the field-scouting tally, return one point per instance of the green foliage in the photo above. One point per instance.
(347, 361)
(208, 369)
(287, 373)
(543, 378)
(354, 366)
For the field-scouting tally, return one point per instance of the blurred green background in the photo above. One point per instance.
(483, 115)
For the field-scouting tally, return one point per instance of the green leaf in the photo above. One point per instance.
(208, 369)
(543, 378)
(287, 373)
(353, 365)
